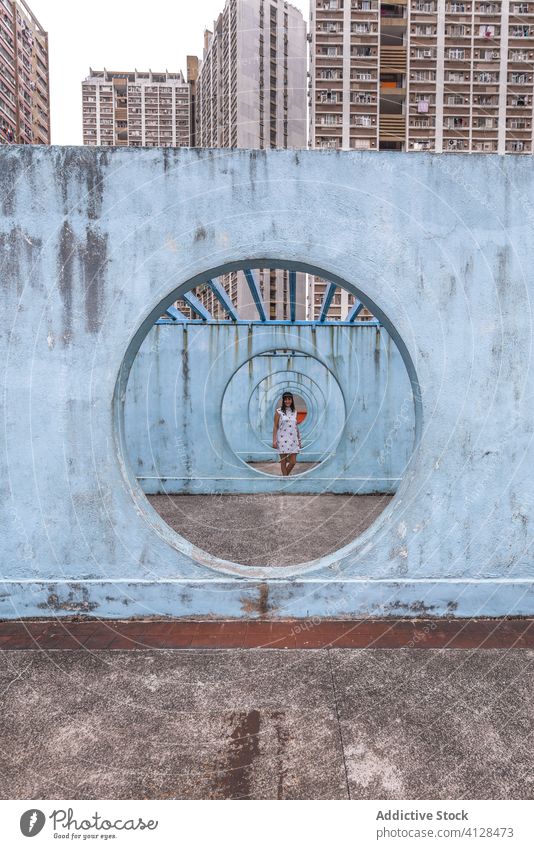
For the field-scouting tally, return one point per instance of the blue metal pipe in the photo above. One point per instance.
(327, 300)
(175, 314)
(354, 311)
(293, 295)
(222, 296)
(256, 294)
(278, 323)
(197, 306)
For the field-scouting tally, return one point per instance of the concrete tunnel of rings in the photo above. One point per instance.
(178, 428)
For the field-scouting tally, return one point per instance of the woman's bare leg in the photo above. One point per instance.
(283, 464)
(290, 463)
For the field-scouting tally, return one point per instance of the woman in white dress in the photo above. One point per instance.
(286, 434)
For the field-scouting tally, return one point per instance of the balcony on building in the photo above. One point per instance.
(392, 17)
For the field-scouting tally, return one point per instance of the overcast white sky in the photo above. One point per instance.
(117, 35)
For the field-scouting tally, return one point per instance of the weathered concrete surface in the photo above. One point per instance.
(94, 242)
(277, 530)
(385, 724)
(194, 415)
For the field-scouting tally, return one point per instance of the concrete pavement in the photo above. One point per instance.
(267, 724)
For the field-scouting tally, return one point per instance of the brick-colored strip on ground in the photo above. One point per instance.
(287, 634)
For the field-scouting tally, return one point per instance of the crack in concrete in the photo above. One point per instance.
(340, 732)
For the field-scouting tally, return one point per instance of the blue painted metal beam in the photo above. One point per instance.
(293, 295)
(313, 324)
(175, 314)
(256, 294)
(222, 296)
(197, 306)
(327, 300)
(354, 311)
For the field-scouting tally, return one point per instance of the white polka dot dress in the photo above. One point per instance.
(287, 439)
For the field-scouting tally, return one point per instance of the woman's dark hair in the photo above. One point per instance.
(288, 395)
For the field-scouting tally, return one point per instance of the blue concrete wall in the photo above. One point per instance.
(94, 241)
(194, 414)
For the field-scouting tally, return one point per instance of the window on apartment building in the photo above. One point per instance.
(428, 98)
(456, 144)
(520, 9)
(420, 144)
(487, 55)
(331, 50)
(361, 144)
(362, 97)
(425, 53)
(328, 143)
(456, 53)
(485, 146)
(362, 120)
(520, 100)
(487, 30)
(424, 7)
(330, 119)
(362, 51)
(487, 77)
(456, 77)
(520, 32)
(456, 100)
(457, 7)
(515, 146)
(424, 29)
(519, 79)
(518, 56)
(363, 75)
(457, 30)
(359, 27)
(329, 96)
(422, 76)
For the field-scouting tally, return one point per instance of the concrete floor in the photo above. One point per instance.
(267, 724)
(273, 468)
(270, 529)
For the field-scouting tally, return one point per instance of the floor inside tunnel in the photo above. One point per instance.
(269, 529)
(273, 467)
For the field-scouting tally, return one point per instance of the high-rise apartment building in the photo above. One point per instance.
(140, 109)
(193, 65)
(252, 81)
(251, 93)
(24, 76)
(419, 75)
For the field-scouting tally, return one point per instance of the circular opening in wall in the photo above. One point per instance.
(195, 405)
